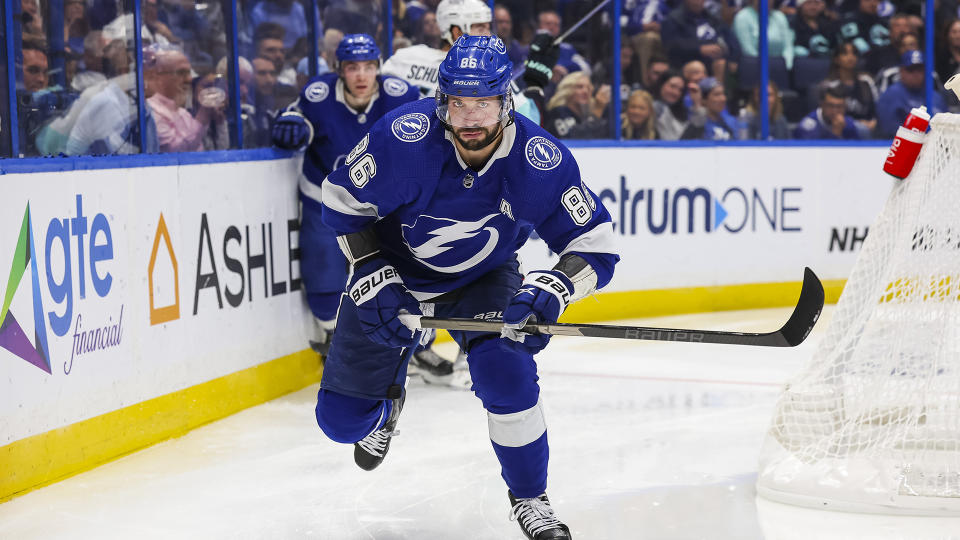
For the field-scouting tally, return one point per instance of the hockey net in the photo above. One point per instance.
(872, 422)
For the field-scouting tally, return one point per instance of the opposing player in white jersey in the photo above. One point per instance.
(430, 209)
(419, 64)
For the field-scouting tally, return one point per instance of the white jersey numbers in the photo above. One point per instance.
(577, 206)
(363, 170)
(360, 148)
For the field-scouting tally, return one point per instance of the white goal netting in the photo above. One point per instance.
(872, 422)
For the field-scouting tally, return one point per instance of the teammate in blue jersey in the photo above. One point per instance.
(430, 208)
(332, 113)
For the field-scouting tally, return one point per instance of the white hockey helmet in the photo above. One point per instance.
(462, 13)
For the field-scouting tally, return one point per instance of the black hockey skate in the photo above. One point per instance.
(537, 519)
(370, 451)
(434, 369)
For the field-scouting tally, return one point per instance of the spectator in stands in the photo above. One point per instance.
(413, 12)
(746, 29)
(210, 91)
(75, 26)
(750, 116)
(429, 31)
(631, 77)
(31, 21)
(673, 116)
(170, 76)
(575, 112)
(889, 55)
(287, 13)
(107, 123)
(256, 127)
(891, 74)
(894, 104)
(719, 125)
(638, 122)
(268, 43)
(856, 87)
(864, 28)
(327, 49)
(829, 120)
(815, 34)
(693, 72)
(92, 71)
(504, 29)
(35, 66)
(948, 51)
(656, 67)
(643, 29)
(691, 33)
(569, 60)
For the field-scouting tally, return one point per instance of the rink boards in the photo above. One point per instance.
(143, 302)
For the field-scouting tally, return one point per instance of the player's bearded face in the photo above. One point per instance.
(475, 120)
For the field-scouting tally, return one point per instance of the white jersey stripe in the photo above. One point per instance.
(597, 240)
(519, 428)
(337, 198)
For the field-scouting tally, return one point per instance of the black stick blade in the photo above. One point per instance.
(791, 334)
(807, 312)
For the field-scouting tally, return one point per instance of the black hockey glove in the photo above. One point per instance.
(541, 299)
(380, 296)
(543, 55)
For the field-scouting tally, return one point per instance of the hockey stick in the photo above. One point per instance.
(791, 334)
(559, 39)
(579, 23)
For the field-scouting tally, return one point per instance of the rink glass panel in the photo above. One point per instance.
(76, 91)
(49, 64)
(4, 89)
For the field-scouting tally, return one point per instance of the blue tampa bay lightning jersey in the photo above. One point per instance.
(336, 126)
(443, 224)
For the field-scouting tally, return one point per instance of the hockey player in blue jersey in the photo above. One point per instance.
(332, 113)
(430, 208)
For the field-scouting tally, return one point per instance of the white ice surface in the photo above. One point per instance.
(648, 441)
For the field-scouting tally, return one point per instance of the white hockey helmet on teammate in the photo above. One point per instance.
(462, 13)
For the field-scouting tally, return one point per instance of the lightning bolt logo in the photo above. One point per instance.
(410, 127)
(443, 238)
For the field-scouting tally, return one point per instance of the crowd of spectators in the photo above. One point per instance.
(689, 68)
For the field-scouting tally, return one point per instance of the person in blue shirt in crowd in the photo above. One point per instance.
(690, 32)
(894, 105)
(461, 182)
(332, 113)
(829, 121)
(719, 125)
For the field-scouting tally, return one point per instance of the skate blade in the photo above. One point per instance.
(459, 380)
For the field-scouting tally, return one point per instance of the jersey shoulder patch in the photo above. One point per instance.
(316, 92)
(395, 87)
(542, 153)
(411, 127)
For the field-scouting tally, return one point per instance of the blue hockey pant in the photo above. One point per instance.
(359, 375)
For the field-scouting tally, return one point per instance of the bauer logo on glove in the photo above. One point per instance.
(368, 287)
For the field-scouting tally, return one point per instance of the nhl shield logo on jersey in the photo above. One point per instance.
(394, 87)
(317, 91)
(542, 153)
(411, 127)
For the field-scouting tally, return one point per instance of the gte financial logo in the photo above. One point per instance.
(228, 265)
(689, 210)
(77, 252)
